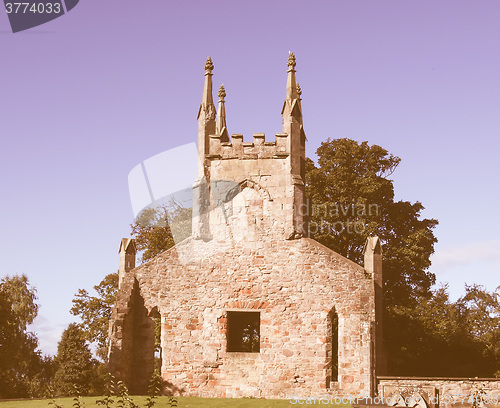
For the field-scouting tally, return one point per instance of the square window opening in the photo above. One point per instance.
(243, 332)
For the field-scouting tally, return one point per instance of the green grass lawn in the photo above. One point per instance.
(162, 402)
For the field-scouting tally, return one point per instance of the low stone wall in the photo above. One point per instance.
(434, 392)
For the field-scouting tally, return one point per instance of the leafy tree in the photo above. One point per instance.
(75, 365)
(482, 313)
(152, 233)
(154, 229)
(481, 317)
(19, 356)
(95, 312)
(22, 297)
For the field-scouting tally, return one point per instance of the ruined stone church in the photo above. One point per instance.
(249, 305)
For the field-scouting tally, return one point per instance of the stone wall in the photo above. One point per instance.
(436, 391)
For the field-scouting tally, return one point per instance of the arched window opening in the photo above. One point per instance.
(155, 315)
(332, 347)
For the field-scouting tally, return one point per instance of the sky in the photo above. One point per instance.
(89, 96)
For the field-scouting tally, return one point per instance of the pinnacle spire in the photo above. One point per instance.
(292, 106)
(291, 86)
(206, 118)
(207, 102)
(222, 93)
(220, 127)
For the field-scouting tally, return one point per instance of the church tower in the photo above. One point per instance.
(271, 172)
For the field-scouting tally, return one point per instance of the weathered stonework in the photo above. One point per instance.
(249, 252)
(432, 392)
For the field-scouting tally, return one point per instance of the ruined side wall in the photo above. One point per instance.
(132, 338)
(294, 285)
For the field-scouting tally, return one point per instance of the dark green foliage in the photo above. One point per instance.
(75, 365)
(77, 400)
(53, 401)
(154, 389)
(124, 400)
(119, 391)
(152, 233)
(110, 386)
(95, 311)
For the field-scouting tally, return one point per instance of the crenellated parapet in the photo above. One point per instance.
(258, 149)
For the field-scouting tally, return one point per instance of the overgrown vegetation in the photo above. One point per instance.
(77, 399)
(117, 395)
(163, 402)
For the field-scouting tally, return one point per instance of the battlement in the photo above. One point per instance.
(258, 149)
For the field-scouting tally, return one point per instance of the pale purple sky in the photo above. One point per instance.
(90, 95)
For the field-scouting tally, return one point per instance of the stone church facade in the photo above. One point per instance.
(249, 305)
